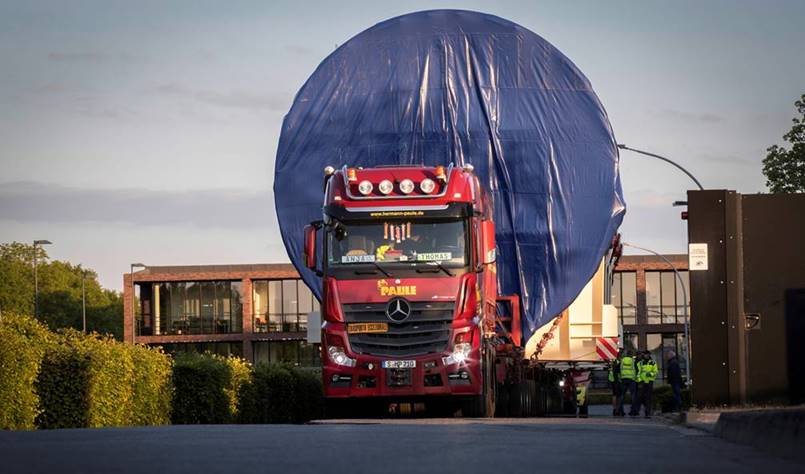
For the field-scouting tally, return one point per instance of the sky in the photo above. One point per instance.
(146, 131)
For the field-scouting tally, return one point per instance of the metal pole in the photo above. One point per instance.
(36, 286)
(624, 147)
(84, 300)
(133, 312)
(684, 307)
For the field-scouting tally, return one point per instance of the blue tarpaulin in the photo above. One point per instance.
(445, 86)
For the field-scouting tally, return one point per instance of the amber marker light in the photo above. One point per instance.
(352, 174)
(440, 173)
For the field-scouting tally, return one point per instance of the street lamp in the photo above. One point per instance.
(684, 306)
(133, 322)
(83, 299)
(624, 147)
(37, 243)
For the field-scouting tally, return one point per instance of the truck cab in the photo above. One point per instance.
(407, 260)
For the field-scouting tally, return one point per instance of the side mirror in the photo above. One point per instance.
(489, 247)
(310, 246)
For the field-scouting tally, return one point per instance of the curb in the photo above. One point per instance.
(779, 431)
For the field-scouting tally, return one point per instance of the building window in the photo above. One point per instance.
(624, 296)
(282, 305)
(664, 297)
(297, 353)
(660, 345)
(190, 307)
(630, 341)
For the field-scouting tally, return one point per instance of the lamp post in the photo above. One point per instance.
(37, 243)
(624, 147)
(83, 300)
(133, 312)
(684, 306)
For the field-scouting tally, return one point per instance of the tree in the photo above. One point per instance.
(785, 169)
(59, 291)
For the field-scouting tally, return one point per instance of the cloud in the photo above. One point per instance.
(279, 102)
(86, 56)
(212, 208)
(94, 57)
(700, 117)
(730, 160)
(299, 49)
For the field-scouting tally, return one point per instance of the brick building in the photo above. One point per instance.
(258, 312)
(650, 303)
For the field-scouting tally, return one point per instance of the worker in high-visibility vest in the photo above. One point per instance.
(629, 381)
(614, 377)
(646, 374)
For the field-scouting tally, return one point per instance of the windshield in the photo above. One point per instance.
(398, 241)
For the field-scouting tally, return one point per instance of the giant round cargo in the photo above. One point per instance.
(445, 86)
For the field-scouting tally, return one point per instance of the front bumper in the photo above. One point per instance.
(430, 376)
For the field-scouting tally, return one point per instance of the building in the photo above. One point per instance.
(651, 305)
(258, 312)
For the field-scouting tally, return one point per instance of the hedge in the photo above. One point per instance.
(153, 386)
(86, 381)
(23, 344)
(206, 388)
(281, 394)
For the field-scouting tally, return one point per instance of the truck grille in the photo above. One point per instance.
(426, 331)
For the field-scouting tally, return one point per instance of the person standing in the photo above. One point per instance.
(628, 382)
(646, 374)
(614, 377)
(674, 377)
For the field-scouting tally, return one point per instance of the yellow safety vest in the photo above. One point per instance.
(646, 371)
(628, 368)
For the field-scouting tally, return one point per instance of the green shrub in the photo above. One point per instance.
(664, 398)
(309, 394)
(23, 344)
(206, 388)
(152, 385)
(280, 394)
(240, 374)
(86, 381)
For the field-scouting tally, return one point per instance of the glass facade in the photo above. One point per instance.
(190, 307)
(661, 344)
(281, 305)
(624, 296)
(665, 303)
(298, 353)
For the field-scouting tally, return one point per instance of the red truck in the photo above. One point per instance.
(410, 305)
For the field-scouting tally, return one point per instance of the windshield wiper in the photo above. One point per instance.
(388, 275)
(437, 264)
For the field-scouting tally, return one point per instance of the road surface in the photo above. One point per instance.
(551, 445)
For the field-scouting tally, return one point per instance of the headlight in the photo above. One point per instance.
(365, 187)
(385, 186)
(427, 185)
(406, 186)
(461, 351)
(561, 383)
(339, 357)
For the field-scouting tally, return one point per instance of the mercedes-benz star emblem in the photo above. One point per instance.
(398, 310)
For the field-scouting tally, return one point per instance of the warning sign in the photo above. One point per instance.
(697, 257)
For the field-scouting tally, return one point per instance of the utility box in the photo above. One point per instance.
(747, 298)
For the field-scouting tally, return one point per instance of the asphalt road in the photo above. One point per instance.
(552, 445)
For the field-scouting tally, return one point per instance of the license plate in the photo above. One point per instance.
(399, 364)
(363, 328)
